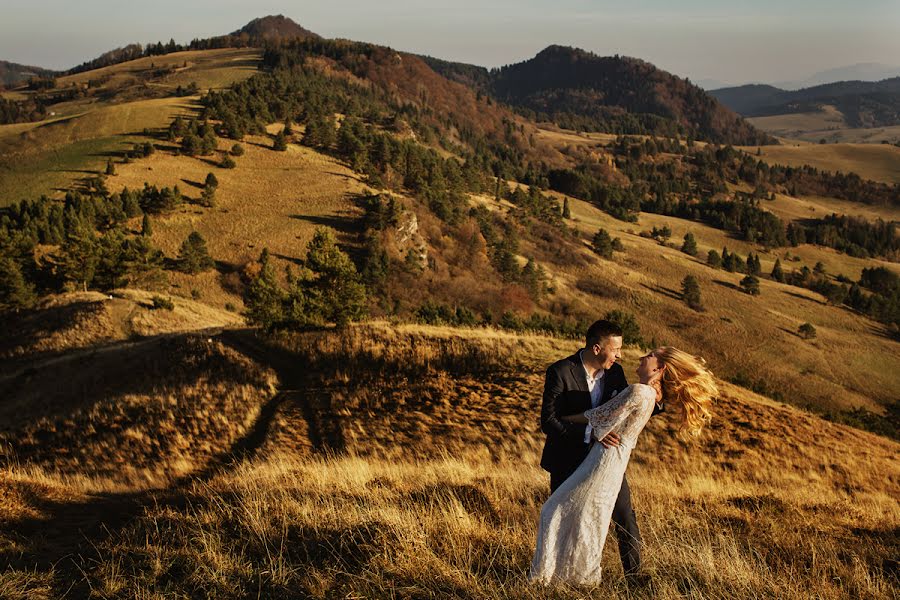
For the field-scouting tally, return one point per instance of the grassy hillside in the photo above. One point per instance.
(51, 155)
(878, 162)
(827, 124)
(424, 483)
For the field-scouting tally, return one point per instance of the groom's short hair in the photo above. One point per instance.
(601, 330)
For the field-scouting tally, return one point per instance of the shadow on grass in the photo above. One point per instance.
(668, 292)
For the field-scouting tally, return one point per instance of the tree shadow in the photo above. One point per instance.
(789, 332)
(195, 184)
(807, 298)
(345, 224)
(669, 293)
(727, 284)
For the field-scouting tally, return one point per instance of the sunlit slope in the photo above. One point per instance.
(878, 162)
(48, 156)
(407, 458)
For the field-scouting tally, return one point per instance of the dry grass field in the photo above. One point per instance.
(271, 200)
(401, 462)
(878, 162)
(48, 156)
(826, 124)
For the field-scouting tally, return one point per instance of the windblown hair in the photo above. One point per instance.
(688, 385)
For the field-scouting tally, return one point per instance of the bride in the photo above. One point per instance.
(575, 519)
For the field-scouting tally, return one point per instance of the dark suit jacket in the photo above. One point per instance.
(566, 393)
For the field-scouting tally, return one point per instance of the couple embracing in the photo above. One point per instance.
(592, 418)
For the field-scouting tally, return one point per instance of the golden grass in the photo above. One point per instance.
(438, 495)
(46, 157)
(132, 415)
(738, 333)
(813, 127)
(878, 162)
(84, 319)
(209, 68)
(271, 200)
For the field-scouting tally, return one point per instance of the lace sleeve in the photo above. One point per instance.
(607, 417)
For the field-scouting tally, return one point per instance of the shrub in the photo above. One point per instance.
(806, 331)
(160, 303)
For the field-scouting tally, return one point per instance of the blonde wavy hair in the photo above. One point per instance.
(688, 385)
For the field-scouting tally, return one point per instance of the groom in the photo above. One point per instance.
(573, 385)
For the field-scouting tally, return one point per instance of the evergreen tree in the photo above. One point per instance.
(280, 143)
(713, 259)
(211, 181)
(566, 212)
(110, 167)
(190, 145)
(602, 244)
(227, 162)
(777, 272)
(288, 126)
(208, 196)
(237, 150)
(193, 257)
(264, 298)
(80, 256)
(690, 244)
(690, 292)
(336, 292)
(750, 284)
(15, 291)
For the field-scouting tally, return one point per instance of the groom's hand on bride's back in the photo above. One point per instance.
(611, 440)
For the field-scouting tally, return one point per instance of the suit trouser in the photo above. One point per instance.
(624, 519)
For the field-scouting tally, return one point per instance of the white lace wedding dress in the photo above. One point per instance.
(575, 519)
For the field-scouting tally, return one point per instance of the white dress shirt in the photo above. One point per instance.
(595, 387)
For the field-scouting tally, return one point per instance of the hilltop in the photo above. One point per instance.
(577, 89)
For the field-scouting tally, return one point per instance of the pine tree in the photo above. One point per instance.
(602, 244)
(208, 196)
(690, 292)
(280, 143)
(264, 298)
(336, 293)
(713, 259)
(227, 162)
(777, 272)
(566, 212)
(193, 257)
(689, 246)
(110, 167)
(750, 284)
(237, 150)
(211, 181)
(15, 291)
(288, 126)
(80, 256)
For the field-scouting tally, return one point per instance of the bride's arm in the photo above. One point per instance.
(579, 419)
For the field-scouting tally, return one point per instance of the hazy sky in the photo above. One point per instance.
(730, 41)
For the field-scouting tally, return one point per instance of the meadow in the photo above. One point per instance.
(401, 461)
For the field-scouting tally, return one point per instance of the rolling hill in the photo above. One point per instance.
(580, 90)
(153, 445)
(871, 107)
(403, 458)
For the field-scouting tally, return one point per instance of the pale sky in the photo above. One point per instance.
(733, 42)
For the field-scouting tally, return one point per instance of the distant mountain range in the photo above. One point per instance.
(857, 72)
(863, 103)
(567, 86)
